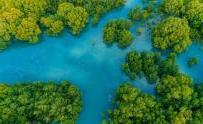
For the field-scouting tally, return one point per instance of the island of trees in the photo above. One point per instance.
(150, 65)
(118, 31)
(39, 103)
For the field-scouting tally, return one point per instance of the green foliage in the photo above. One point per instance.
(175, 90)
(125, 39)
(173, 7)
(172, 33)
(178, 102)
(192, 61)
(194, 13)
(197, 105)
(49, 16)
(149, 65)
(118, 31)
(52, 25)
(28, 30)
(182, 100)
(39, 102)
(139, 30)
(135, 14)
(133, 64)
(97, 8)
(138, 14)
(4, 35)
(74, 17)
(192, 10)
(134, 107)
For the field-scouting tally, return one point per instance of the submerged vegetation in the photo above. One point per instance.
(192, 61)
(25, 20)
(39, 102)
(118, 31)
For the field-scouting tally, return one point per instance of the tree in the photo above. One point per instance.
(32, 8)
(135, 14)
(133, 65)
(109, 35)
(197, 104)
(150, 65)
(28, 30)
(54, 26)
(173, 7)
(39, 102)
(118, 31)
(132, 106)
(175, 90)
(194, 13)
(172, 33)
(4, 35)
(64, 9)
(75, 18)
(125, 39)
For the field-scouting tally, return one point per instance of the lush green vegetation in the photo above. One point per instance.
(97, 8)
(172, 33)
(138, 14)
(177, 99)
(39, 102)
(25, 20)
(192, 10)
(135, 107)
(192, 61)
(178, 102)
(149, 65)
(118, 31)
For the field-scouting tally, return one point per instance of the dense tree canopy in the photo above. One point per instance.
(194, 13)
(52, 25)
(172, 33)
(197, 105)
(39, 102)
(175, 90)
(178, 102)
(74, 17)
(134, 107)
(49, 16)
(28, 30)
(192, 10)
(118, 31)
(97, 8)
(149, 65)
(173, 7)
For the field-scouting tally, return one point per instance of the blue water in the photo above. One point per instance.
(85, 61)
